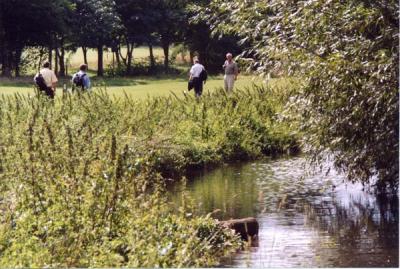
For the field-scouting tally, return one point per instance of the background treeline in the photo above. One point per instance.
(56, 27)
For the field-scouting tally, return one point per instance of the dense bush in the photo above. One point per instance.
(82, 179)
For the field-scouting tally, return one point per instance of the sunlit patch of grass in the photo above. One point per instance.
(139, 87)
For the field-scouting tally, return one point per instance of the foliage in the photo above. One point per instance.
(347, 53)
(151, 22)
(210, 48)
(95, 22)
(139, 18)
(18, 30)
(171, 23)
(141, 68)
(31, 59)
(65, 25)
(83, 178)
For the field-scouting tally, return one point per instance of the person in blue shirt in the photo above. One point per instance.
(81, 80)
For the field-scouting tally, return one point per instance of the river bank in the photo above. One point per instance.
(86, 175)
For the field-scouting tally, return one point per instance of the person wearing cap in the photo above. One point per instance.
(231, 73)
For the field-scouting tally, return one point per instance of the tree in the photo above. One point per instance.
(198, 37)
(139, 19)
(171, 20)
(347, 54)
(28, 23)
(152, 21)
(96, 26)
(81, 27)
(2, 37)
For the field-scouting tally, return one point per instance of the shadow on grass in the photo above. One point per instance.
(27, 81)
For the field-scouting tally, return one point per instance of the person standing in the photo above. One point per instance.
(231, 72)
(81, 79)
(198, 76)
(46, 80)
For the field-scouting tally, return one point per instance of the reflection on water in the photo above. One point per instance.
(306, 220)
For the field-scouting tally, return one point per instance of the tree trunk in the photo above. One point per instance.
(84, 50)
(165, 46)
(129, 57)
(203, 58)
(191, 54)
(2, 45)
(50, 58)
(100, 69)
(1, 55)
(122, 57)
(183, 57)
(17, 60)
(66, 67)
(6, 69)
(152, 60)
(1, 58)
(37, 68)
(117, 57)
(61, 57)
(56, 60)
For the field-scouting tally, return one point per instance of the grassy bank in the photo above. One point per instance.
(83, 179)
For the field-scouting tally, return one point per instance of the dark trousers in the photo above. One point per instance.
(198, 86)
(49, 92)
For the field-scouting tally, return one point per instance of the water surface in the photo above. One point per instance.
(306, 219)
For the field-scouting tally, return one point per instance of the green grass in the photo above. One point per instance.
(137, 87)
(164, 87)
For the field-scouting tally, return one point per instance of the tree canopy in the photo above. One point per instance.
(28, 23)
(61, 25)
(345, 53)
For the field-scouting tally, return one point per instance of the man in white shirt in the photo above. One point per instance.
(196, 76)
(50, 79)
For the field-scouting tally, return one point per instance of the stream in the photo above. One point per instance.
(306, 219)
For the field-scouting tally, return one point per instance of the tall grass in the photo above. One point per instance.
(82, 179)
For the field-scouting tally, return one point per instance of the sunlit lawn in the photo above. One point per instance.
(161, 87)
(139, 87)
